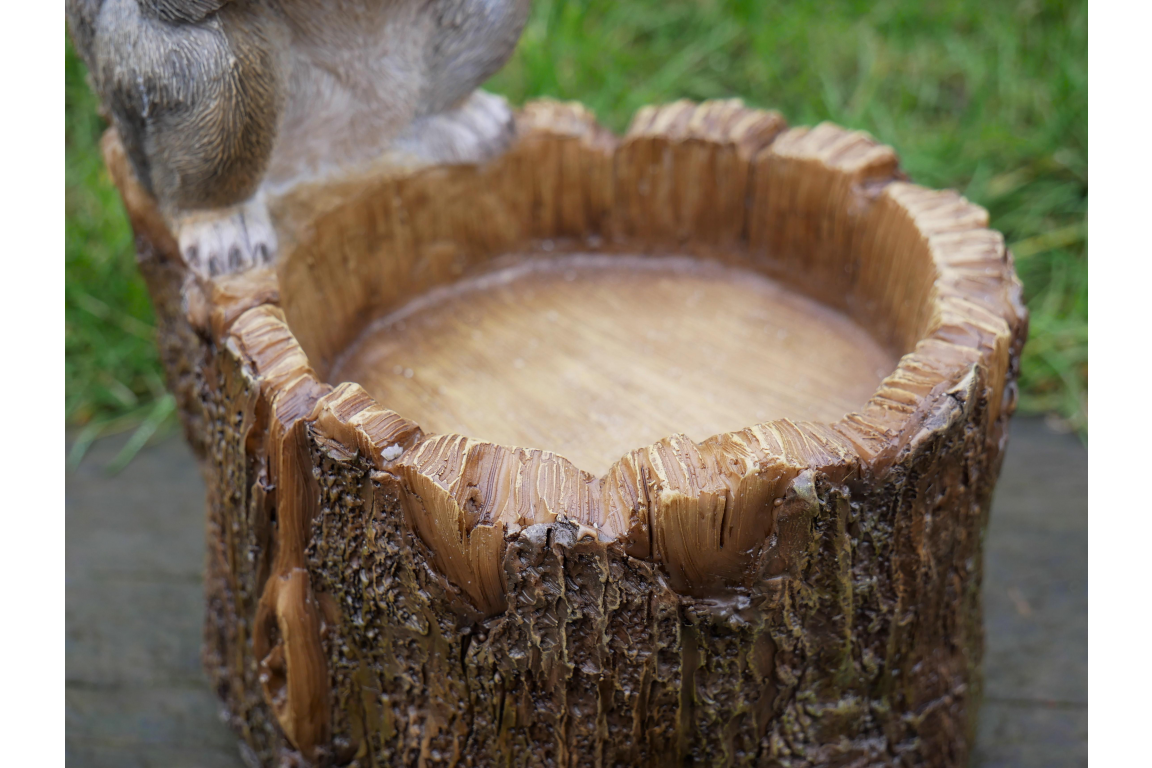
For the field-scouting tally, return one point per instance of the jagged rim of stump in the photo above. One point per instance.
(657, 498)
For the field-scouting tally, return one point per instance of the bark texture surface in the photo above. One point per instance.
(792, 594)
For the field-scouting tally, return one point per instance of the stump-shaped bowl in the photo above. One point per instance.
(670, 448)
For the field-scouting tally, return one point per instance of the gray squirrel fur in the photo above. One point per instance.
(221, 102)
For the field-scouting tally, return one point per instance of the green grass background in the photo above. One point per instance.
(989, 98)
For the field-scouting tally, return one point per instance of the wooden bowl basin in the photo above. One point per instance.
(670, 448)
(590, 356)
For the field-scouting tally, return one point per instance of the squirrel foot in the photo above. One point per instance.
(227, 240)
(479, 129)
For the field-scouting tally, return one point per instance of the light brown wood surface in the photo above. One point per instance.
(590, 356)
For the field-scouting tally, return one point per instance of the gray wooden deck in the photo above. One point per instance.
(135, 694)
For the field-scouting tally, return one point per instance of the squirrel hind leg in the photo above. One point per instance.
(480, 128)
(233, 239)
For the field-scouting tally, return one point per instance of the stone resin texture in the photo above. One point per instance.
(793, 592)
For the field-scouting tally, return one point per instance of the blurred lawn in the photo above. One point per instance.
(989, 98)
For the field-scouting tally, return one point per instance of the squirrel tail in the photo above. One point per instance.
(81, 15)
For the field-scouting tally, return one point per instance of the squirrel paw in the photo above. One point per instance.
(226, 240)
(481, 128)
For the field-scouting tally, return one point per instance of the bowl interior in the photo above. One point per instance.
(592, 355)
(588, 296)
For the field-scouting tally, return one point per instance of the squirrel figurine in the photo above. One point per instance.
(222, 103)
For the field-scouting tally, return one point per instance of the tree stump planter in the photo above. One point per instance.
(801, 589)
